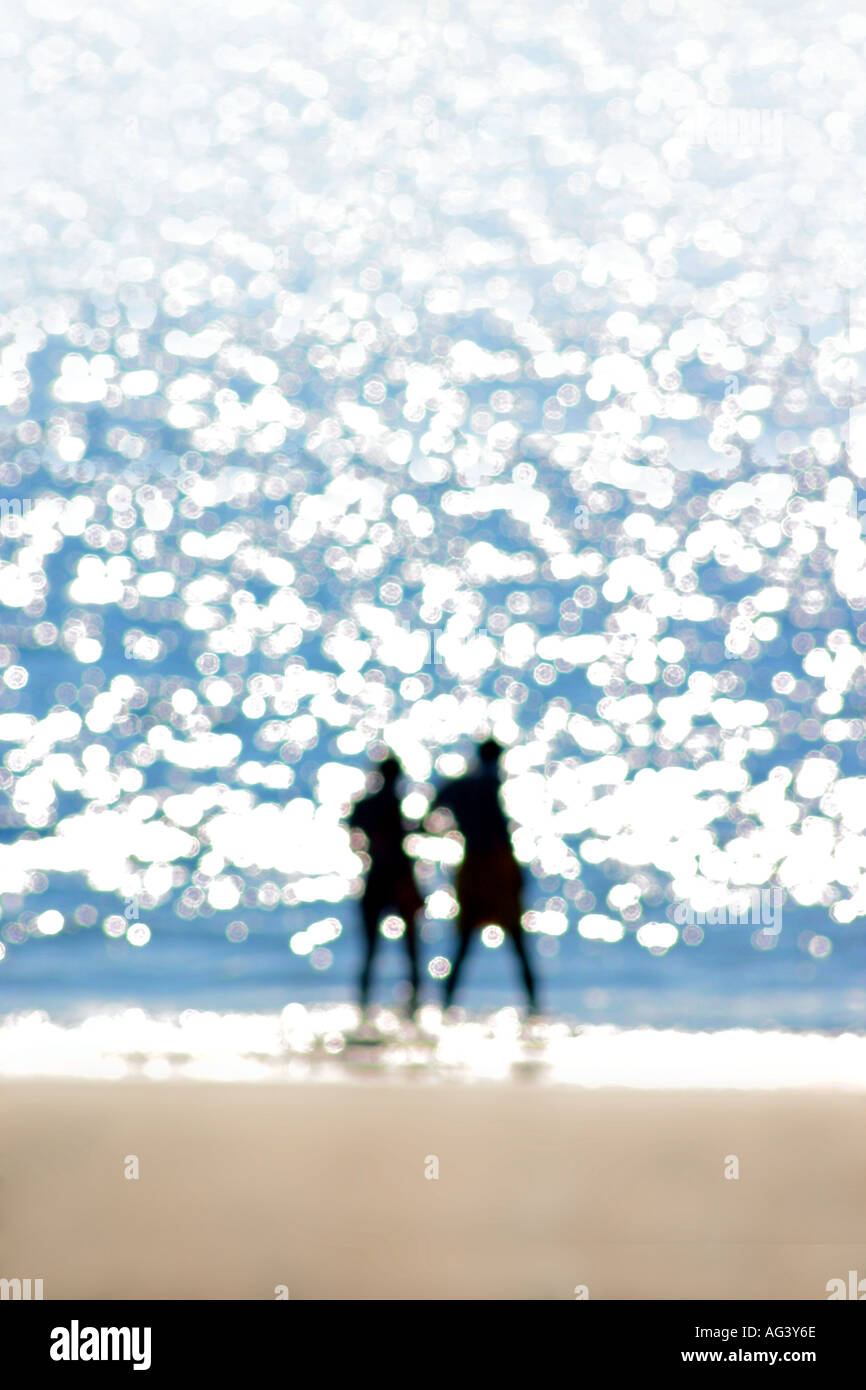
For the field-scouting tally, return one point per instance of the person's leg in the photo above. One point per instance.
(370, 919)
(411, 936)
(465, 940)
(516, 934)
(512, 925)
(409, 904)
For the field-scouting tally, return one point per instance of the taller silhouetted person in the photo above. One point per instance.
(489, 882)
(390, 885)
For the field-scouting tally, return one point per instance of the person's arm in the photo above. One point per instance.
(359, 816)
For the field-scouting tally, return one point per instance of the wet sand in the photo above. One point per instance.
(321, 1187)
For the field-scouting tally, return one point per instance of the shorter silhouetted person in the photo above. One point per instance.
(390, 886)
(489, 882)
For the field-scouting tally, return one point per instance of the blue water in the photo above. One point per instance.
(722, 982)
(360, 365)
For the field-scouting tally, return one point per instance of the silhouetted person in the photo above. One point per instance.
(390, 885)
(489, 882)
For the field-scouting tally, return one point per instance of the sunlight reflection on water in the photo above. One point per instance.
(379, 379)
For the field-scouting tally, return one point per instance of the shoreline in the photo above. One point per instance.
(323, 1045)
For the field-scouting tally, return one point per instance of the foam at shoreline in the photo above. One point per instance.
(324, 1043)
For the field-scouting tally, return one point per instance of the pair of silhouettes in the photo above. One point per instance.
(489, 882)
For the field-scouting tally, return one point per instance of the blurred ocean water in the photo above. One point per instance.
(383, 377)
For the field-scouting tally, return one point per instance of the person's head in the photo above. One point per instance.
(490, 752)
(390, 771)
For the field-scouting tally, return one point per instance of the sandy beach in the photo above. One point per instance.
(322, 1188)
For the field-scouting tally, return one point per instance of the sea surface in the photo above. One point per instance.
(383, 377)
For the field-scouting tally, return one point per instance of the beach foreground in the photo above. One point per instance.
(323, 1188)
